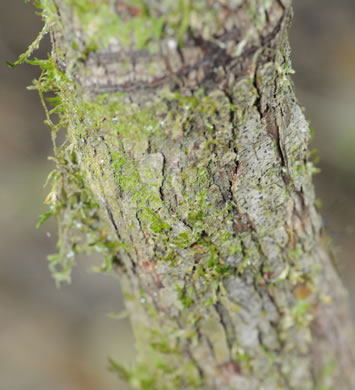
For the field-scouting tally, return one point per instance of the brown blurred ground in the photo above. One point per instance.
(323, 42)
(60, 339)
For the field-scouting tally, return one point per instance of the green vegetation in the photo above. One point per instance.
(204, 226)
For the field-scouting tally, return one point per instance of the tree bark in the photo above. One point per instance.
(183, 125)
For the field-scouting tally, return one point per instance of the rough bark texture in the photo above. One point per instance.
(183, 125)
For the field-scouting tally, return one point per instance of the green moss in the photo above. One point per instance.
(301, 312)
(71, 202)
(243, 360)
(154, 222)
(157, 372)
(123, 124)
(80, 227)
(33, 46)
(184, 297)
(325, 378)
(113, 119)
(137, 24)
(111, 138)
(101, 24)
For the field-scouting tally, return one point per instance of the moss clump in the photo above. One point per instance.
(79, 220)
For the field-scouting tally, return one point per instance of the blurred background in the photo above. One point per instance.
(60, 339)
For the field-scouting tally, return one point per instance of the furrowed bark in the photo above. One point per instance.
(184, 125)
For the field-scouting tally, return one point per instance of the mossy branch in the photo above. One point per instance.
(186, 161)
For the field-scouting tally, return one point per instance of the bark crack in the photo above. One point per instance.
(163, 174)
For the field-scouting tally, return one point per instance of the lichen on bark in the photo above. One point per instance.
(187, 146)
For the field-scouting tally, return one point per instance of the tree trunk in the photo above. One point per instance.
(182, 124)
